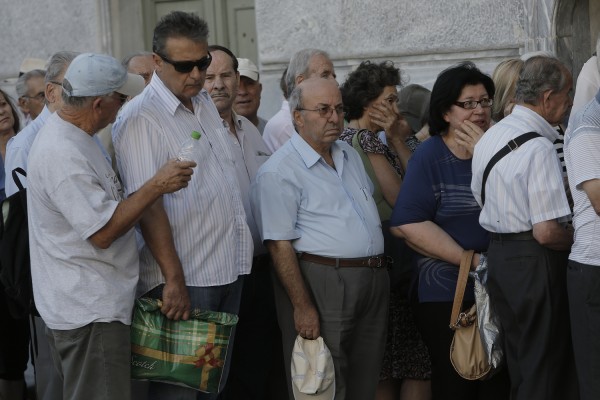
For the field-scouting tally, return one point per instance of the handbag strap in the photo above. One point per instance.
(512, 145)
(461, 284)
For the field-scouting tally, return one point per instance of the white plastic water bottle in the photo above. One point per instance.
(192, 149)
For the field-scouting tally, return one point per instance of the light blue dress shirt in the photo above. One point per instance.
(330, 212)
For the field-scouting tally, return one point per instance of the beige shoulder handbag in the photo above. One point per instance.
(467, 353)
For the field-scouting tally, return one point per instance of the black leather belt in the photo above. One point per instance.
(513, 236)
(379, 261)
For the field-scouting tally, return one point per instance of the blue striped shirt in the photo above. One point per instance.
(207, 218)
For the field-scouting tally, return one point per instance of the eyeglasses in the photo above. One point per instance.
(39, 97)
(185, 67)
(326, 111)
(472, 104)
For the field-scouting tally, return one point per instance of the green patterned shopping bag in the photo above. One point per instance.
(188, 353)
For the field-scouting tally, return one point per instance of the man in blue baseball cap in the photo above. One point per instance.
(84, 260)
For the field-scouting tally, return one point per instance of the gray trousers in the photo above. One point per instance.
(93, 361)
(353, 309)
(48, 383)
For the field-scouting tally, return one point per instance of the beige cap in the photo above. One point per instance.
(313, 375)
(29, 64)
(247, 68)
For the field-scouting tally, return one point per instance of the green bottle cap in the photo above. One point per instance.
(196, 135)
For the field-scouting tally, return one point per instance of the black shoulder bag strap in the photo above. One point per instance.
(512, 145)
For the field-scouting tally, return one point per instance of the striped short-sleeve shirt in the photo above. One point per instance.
(582, 155)
(207, 218)
(526, 186)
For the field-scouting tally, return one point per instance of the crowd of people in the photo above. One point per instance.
(343, 218)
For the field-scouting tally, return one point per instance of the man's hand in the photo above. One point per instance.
(306, 320)
(175, 301)
(174, 175)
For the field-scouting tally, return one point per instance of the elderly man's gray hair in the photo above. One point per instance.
(538, 75)
(127, 59)
(58, 64)
(295, 102)
(299, 66)
(21, 86)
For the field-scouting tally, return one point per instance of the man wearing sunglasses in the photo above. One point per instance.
(197, 244)
(30, 89)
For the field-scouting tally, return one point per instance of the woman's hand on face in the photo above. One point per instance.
(468, 135)
(386, 115)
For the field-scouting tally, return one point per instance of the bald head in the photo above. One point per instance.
(317, 112)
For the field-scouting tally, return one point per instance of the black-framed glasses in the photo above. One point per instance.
(326, 111)
(39, 97)
(472, 104)
(185, 67)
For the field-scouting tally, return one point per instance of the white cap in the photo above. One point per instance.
(247, 68)
(313, 375)
(29, 64)
(92, 74)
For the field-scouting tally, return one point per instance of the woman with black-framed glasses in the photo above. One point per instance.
(438, 217)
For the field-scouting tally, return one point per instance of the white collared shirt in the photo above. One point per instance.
(249, 153)
(207, 218)
(582, 155)
(279, 128)
(526, 186)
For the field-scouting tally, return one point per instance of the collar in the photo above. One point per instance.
(310, 156)
(170, 102)
(536, 121)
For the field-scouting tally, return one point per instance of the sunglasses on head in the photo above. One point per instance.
(185, 67)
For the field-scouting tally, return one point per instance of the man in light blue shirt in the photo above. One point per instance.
(313, 205)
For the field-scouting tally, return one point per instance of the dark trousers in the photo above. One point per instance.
(14, 343)
(583, 284)
(433, 321)
(257, 370)
(527, 286)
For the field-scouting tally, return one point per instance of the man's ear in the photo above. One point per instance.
(50, 93)
(158, 62)
(298, 120)
(23, 105)
(97, 104)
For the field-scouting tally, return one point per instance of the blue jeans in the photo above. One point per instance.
(225, 298)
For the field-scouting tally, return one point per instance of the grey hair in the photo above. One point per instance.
(178, 24)
(58, 64)
(127, 59)
(295, 102)
(21, 86)
(74, 101)
(538, 75)
(299, 66)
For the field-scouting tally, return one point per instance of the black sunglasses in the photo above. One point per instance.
(185, 67)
